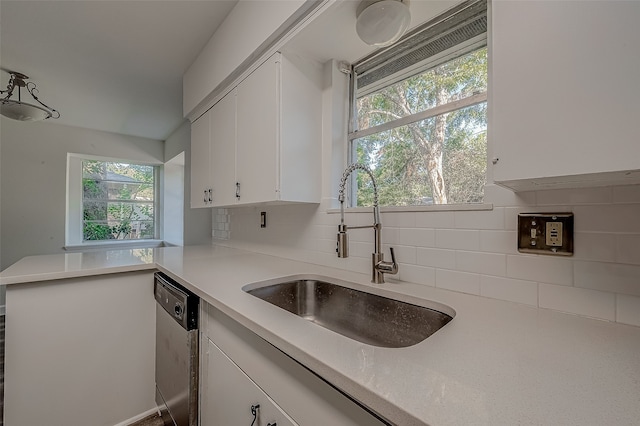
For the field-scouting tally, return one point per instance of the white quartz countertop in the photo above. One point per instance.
(495, 363)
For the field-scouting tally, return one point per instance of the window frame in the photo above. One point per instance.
(473, 44)
(74, 236)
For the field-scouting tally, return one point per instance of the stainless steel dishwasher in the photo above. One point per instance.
(176, 352)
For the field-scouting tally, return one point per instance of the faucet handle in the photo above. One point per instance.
(393, 256)
(388, 267)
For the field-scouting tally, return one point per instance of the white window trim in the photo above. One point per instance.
(73, 215)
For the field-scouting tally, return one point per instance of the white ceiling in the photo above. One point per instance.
(117, 65)
(109, 65)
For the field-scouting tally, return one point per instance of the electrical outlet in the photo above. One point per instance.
(554, 234)
(546, 233)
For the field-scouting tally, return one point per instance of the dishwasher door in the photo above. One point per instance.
(176, 352)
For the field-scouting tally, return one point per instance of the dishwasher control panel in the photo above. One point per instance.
(179, 302)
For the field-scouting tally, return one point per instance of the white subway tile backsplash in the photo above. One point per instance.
(486, 219)
(546, 269)
(626, 194)
(327, 246)
(481, 263)
(417, 274)
(461, 239)
(359, 249)
(458, 281)
(580, 301)
(628, 248)
(437, 258)
(364, 235)
(404, 254)
(628, 309)
(476, 251)
(438, 220)
(511, 216)
(518, 291)
(607, 218)
(398, 219)
(390, 237)
(594, 246)
(417, 237)
(499, 241)
(611, 277)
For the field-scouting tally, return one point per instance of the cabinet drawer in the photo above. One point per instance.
(306, 398)
(230, 395)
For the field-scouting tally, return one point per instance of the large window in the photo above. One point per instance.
(419, 114)
(118, 201)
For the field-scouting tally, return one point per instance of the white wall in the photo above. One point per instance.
(33, 180)
(197, 222)
(235, 42)
(173, 201)
(467, 251)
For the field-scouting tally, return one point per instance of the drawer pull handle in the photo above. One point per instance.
(254, 411)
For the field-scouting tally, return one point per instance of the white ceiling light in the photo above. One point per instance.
(16, 108)
(382, 22)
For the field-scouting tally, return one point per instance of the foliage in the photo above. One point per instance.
(438, 160)
(118, 200)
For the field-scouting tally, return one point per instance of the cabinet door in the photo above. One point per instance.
(257, 145)
(223, 155)
(564, 90)
(200, 162)
(228, 396)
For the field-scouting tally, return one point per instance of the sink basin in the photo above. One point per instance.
(359, 315)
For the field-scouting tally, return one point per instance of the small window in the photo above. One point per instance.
(118, 201)
(110, 201)
(419, 114)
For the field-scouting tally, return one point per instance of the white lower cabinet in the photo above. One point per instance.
(233, 397)
(240, 369)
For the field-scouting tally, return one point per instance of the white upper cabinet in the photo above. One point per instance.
(264, 138)
(257, 146)
(200, 162)
(223, 142)
(564, 95)
(279, 130)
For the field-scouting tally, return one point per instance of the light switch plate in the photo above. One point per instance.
(546, 233)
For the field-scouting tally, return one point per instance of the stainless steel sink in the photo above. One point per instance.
(359, 315)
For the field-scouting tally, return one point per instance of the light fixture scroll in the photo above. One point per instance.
(15, 108)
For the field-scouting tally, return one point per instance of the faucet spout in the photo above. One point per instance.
(378, 266)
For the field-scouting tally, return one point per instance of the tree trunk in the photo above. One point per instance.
(435, 160)
(431, 150)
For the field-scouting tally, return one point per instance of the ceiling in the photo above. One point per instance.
(109, 65)
(117, 65)
(336, 30)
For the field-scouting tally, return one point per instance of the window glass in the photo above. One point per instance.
(405, 165)
(118, 201)
(424, 135)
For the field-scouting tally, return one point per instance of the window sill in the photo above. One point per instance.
(431, 208)
(114, 245)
